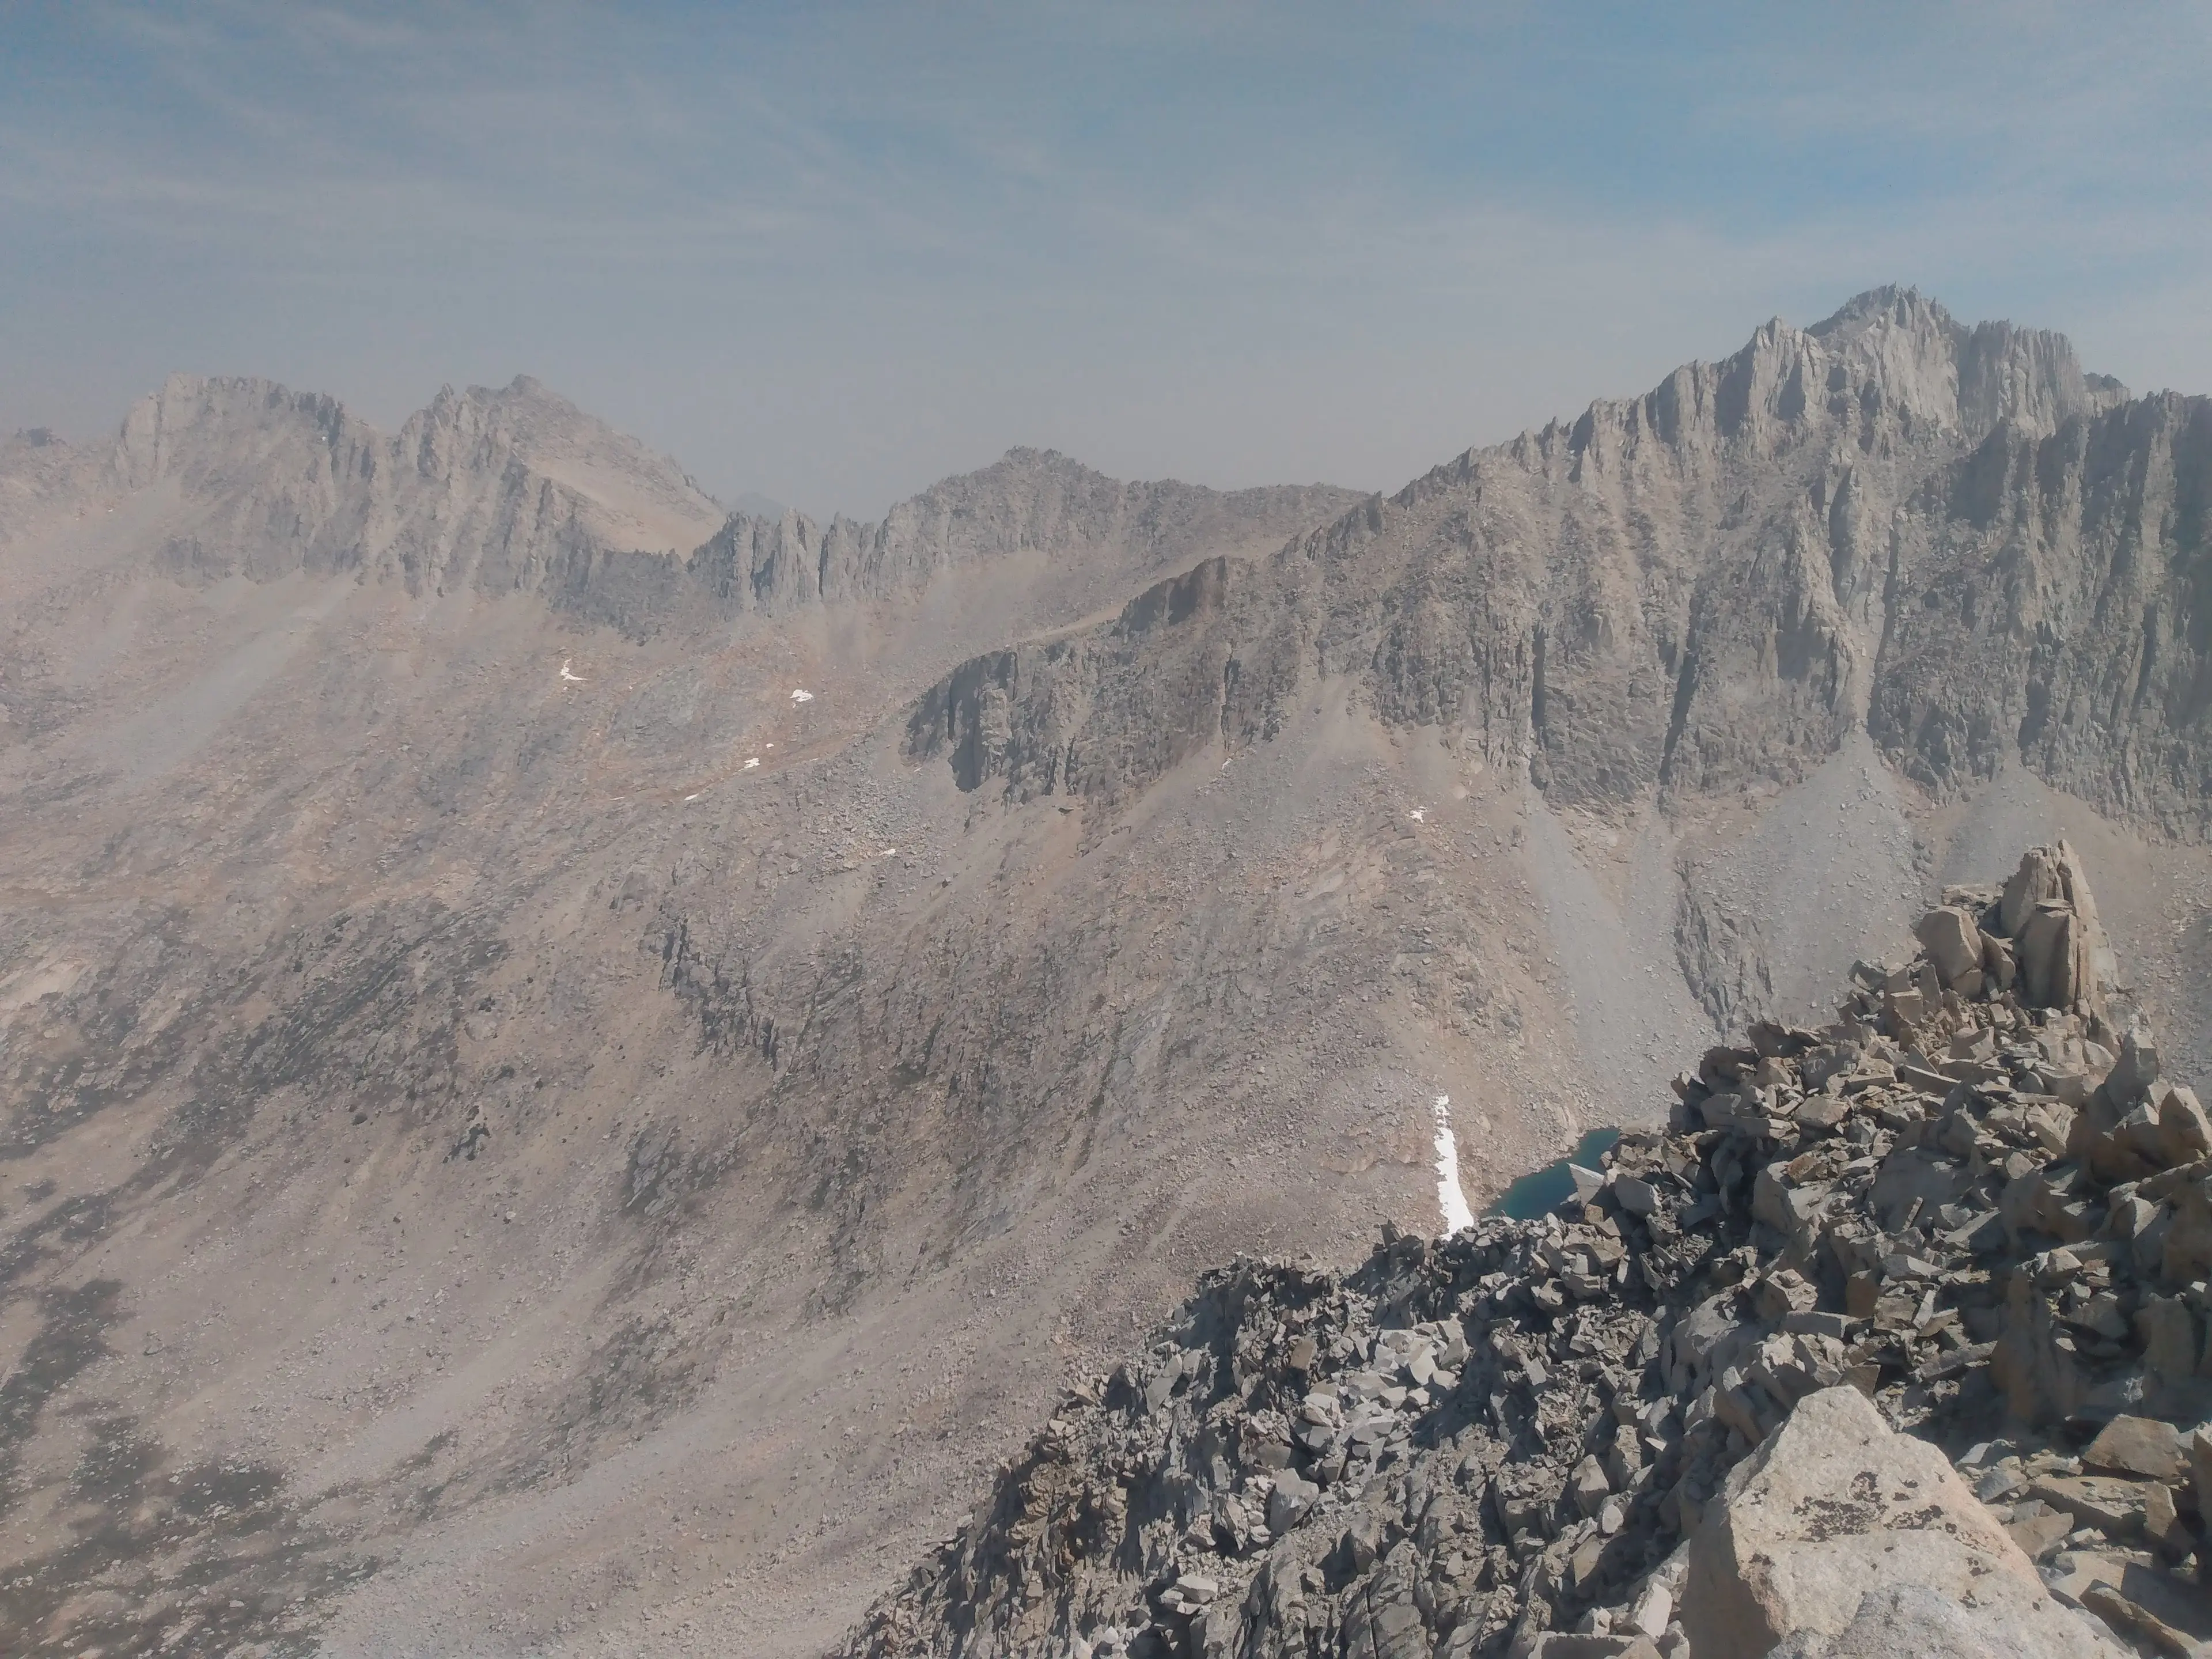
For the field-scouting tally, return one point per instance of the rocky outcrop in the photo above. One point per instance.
(1036, 719)
(1836, 1506)
(1723, 959)
(1895, 1335)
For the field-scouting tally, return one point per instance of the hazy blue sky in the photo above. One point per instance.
(833, 251)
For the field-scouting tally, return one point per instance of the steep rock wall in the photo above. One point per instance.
(1951, 535)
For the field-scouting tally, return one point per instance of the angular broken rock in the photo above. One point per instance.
(1953, 944)
(1519, 1438)
(1635, 1195)
(2040, 1533)
(2140, 1446)
(1561, 1645)
(1836, 1502)
(1590, 1487)
(2110, 1504)
(1653, 1611)
(1288, 1503)
(2057, 939)
(1912, 1621)
(2184, 1131)
(2199, 1448)
(2034, 883)
(2167, 1616)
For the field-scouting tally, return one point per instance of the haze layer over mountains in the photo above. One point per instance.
(524, 1132)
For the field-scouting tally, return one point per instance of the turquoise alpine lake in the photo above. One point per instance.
(1548, 1188)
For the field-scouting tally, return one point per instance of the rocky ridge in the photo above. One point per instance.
(1094, 529)
(1886, 521)
(517, 490)
(1937, 1270)
(513, 489)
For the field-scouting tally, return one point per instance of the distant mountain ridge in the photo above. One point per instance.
(1951, 535)
(496, 488)
(1027, 501)
(518, 490)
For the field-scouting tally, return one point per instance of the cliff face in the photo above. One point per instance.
(501, 491)
(2054, 609)
(1951, 536)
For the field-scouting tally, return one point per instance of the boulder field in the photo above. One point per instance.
(1893, 1342)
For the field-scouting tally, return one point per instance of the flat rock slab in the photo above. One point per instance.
(1561, 1645)
(1834, 1502)
(1911, 1621)
(2172, 1601)
(2138, 1445)
(2106, 1502)
(2039, 1534)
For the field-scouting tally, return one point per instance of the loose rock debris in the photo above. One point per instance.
(1895, 1335)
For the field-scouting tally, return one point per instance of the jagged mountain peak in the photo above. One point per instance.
(198, 426)
(269, 477)
(530, 386)
(531, 406)
(519, 488)
(1894, 304)
(1026, 457)
(1701, 588)
(1024, 463)
(1018, 472)
(644, 498)
(1889, 371)
(1968, 378)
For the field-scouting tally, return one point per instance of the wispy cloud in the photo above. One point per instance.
(832, 250)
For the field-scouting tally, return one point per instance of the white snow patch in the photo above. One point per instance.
(1450, 1198)
(752, 762)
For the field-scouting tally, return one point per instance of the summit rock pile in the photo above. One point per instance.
(1894, 1339)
